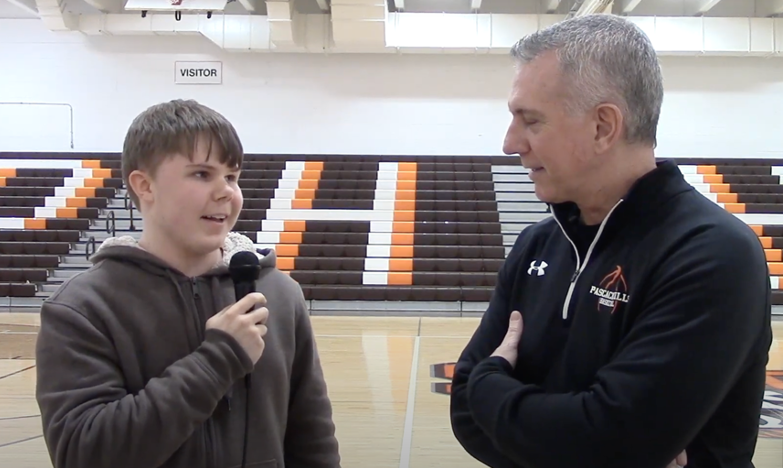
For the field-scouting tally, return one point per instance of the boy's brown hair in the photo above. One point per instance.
(175, 127)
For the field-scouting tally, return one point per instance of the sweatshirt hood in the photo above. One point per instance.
(127, 248)
(212, 289)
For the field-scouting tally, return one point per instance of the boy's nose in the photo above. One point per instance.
(224, 191)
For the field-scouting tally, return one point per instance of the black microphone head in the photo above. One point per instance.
(244, 267)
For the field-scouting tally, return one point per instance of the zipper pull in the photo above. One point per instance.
(574, 275)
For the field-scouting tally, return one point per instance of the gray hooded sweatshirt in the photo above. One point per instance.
(129, 378)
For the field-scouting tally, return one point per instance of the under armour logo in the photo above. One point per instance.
(539, 269)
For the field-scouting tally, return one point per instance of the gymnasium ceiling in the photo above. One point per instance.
(715, 8)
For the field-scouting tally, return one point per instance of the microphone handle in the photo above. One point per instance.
(243, 288)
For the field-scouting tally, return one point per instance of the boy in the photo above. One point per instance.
(141, 359)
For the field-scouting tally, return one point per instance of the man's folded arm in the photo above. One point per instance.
(642, 410)
(484, 341)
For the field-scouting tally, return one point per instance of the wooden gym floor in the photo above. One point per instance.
(391, 409)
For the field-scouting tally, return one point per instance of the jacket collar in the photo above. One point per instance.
(646, 195)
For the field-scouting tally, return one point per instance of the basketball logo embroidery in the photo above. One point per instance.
(611, 291)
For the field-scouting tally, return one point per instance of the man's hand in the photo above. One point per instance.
(680, 461)
(508, 347)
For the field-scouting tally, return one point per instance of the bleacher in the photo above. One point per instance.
(45, 206)
(408, 232)
(752, 190)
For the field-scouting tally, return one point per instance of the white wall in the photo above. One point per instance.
(372, 104)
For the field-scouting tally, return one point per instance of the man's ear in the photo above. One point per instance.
(141, 184)
(609, 127)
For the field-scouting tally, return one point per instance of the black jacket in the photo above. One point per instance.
(654, 341)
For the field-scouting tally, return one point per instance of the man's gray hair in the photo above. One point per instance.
(604, 58)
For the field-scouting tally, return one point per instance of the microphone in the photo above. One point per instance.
(244, 269)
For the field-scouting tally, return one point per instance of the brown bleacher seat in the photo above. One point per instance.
(396, 293)
(747, 179)
(258, 194)
(416, 252)
(23, 275)
(755, 188)
(732, 169)
(770, 208)
(39, 236)
(29, 261)
(32, 182)
(17, 290)
(257, 184)
(28, 248)
(728, 162)
(21, 201)
(422, 241)
(262, 165)
(759, 198)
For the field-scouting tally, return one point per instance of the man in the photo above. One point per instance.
(147, 359)
(635, 323)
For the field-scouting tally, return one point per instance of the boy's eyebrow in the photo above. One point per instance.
(209, 166)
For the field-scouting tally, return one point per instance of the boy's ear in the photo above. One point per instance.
(141, 183)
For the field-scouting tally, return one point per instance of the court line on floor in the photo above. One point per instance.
(408, 426)
(20, 417)
(17, 372)
(21, 440)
